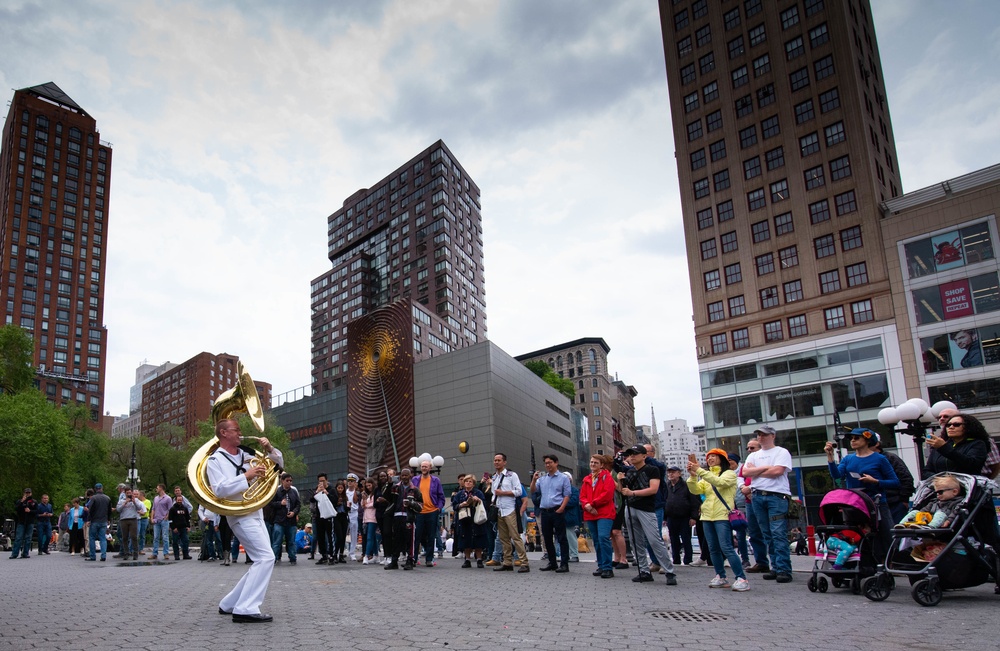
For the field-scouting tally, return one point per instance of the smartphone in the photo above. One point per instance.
(692, 458)
(855, 475)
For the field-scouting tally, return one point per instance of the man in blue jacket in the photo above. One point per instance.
(427, 521)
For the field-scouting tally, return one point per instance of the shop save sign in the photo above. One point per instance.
(956, 298)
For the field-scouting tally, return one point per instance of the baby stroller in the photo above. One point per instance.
(843, 510)
(961, 555)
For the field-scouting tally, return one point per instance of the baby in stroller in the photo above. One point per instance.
(844, 543)
(940, 512)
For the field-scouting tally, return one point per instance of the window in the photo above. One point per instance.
(809, 144)
(724, 211)
(716, 312)
(755, 199)
(751, 168)
(779, 190)
(835, 317)
(840, 168)
(710, 92)
(757, 35)
(850, 238)
(744, 106)
(824, 246)
(733, 274)
(701, 188)
(688, 74)
(765, 95)
(735, 47)
(729, 243)
(846, 203)
(804, 112)
(770, 127)
(829, 281)
(769, 297)
(712, 280)
(751, 7)
(793, 291)
(861, 311)
(698, 159)
(719, 343)
(789, 257)
(699, 9)
(737, 306)
(775, 158)
(814, 178)
(798, 79)
(794, 48)
(690, 102)
(829, 100)
(765, 264)
(773, 331)
(790, 17)
(813, 7)
(761, 65)
(748, 136)
(720, 180)
(740, 77)
(797, 326)
(834, 134)
(703, 36)
(741, 339)
(732, 18)
(824, 67)
(708, 249)
(857, 274)
(718, 150)
(694, 130)
(713, 121)
(818, 35)
(761, 231)
(706, 64)
(705, 218)
(783, 224)
(681, 20)
(819, 211)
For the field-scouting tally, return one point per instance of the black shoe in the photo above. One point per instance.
(523, 569)
(176, 558)
(783, 577)
(644, 577)
(86, 559)
(671, 579)
(562, 569)
(769, 576)
(321, 561)
(757, 568)
(247, 562)
(607, 574)
(408, 566)
(504, 568)
(466, 564)
(187, 558)
(312, 557)
(224, 612)
(103, 559)
(621, 566)
(391, 566)
(547, 568)
(252, 619)
(291, 562)
(598, 572)
(479, 564)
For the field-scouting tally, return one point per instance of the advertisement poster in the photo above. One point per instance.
(947, 251)
(956, 298)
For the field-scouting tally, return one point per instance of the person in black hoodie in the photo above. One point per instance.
(680, 510)
(25, 510)
(180, 525)
(286, 506)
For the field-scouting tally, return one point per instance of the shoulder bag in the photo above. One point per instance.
(737, 520)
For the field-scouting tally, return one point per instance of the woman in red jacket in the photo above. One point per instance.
(597, 501)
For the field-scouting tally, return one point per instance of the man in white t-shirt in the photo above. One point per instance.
(768, 470)
(353, 498)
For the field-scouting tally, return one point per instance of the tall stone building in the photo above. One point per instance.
(55, 181)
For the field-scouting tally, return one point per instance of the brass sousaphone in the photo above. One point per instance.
(241, 398)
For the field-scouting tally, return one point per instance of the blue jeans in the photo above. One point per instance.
(425, 533)
(44, 536)
(208, 539)
(719, 535)
(98, 533)
(161, 535)
(600, 531)
(143, 527)
(22, 539)
(771, 513)
(179, 538)
(371, 540)
(284, 533)
(756, 537)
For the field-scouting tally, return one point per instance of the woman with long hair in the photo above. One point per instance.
(370, 521)
(342, 505)
(76, 528)
(597, 501)
(961, 447)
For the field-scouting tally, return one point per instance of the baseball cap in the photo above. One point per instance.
(674, 468)
(765, 429)
(98, 485)
(635, 449)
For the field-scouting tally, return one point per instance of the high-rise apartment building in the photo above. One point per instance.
(416, 235)
(55, 180)
(784, 152)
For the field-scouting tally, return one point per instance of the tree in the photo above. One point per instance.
(16, 352)
(544, 371)
(34, 436)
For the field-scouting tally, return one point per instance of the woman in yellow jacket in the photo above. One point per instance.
(718, 481)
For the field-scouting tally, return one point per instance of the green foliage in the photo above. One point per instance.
(35, 439)
(16, 352)
(544, 371)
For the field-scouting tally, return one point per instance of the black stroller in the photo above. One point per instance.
(961, 555)
(846, 510)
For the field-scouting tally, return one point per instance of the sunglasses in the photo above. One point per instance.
(954, 425)
(941, 492)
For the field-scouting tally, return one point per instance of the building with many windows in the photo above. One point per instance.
(55, 180)
(415, 235)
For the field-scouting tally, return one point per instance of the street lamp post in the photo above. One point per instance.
(914, 418)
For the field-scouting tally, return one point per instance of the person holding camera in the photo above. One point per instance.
(129, 509)
(551, 492)
(641, 483)
(506, 488)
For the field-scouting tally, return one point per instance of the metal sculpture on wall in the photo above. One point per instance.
(380, 388)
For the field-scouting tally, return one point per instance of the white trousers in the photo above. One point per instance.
(352, 533)
(248, 595)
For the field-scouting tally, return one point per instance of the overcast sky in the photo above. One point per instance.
(238, 127)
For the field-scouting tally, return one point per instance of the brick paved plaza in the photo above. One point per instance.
(61, 602)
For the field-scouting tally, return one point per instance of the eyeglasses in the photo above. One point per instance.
(230, 429)
(954, 425)
(941, 492)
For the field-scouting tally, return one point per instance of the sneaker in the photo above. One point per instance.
(654, 568)
(783, 577)
(671, 579)
(364, 562)
(757, 568)
(408, 566)
(467, 564)
(430, 564)
(699, 563)
(741, 585)
(718, 582)
(607, 574)
(644, 577)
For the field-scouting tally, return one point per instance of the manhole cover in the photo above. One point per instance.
(687, 616)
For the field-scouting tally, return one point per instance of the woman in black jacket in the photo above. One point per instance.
(962, 447)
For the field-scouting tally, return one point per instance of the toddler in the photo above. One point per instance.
(941, 511)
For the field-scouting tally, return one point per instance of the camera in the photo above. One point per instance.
(618, 462)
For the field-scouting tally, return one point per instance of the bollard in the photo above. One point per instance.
(811, 536)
